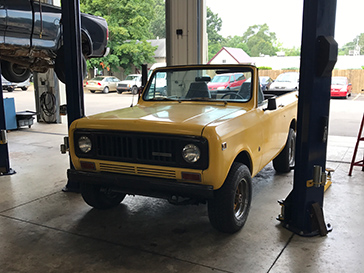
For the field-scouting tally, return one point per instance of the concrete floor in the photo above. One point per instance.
(43, 229)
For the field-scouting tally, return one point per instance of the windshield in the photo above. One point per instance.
(338, 81)
(220, 78)
(287, 77)
(192, 83)
(132, 77)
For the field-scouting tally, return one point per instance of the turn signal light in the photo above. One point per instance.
(191, 176)
(88, 165)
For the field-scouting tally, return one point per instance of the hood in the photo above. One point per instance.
(172, 118)
(283, 85)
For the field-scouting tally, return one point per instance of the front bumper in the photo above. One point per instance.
(142, 185)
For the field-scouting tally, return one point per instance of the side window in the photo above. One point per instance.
(232, 78)
(260, 95)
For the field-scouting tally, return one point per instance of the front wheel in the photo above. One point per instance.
(229, 209)
(285, 161)
(100, 198)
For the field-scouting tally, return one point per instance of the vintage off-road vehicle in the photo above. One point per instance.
(186, 144)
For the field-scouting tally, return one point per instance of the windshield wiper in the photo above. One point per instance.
(165, 99)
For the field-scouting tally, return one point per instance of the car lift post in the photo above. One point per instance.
(71, 20)
(302, 210)
(4, 152)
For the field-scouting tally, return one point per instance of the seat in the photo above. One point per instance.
(198, 90)
(245, 91)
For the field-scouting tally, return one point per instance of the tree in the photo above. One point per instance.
(357, 41)
(260, 41)
(236, 42)
(129, 23)
(158, 24)
(213, 26)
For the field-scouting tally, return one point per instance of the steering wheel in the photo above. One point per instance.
(232, 93)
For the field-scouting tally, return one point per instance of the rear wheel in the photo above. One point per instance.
(229, 209)
(134, 90)
(14, 72)
(285, 161)
(106, 90)
(59, 66)
(24, 88)
(92, 91)
(100, 198)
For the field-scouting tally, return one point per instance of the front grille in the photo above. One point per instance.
(117, 168)
(122, 85)
(151, 149)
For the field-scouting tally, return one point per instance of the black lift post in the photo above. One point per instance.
(302, 210)
(71, 20)
(4, 151)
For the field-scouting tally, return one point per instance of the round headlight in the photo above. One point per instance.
(191, 153)
(84, 143)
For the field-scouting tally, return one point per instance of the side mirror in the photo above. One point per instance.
(272, 104)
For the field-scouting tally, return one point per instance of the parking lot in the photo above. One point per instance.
(46, 230)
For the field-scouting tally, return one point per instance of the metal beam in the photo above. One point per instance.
(4, 151)
(71, 20)
(302, 209)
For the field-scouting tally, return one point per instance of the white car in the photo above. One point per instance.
(131, 83)
(10, 86)
(285, 82)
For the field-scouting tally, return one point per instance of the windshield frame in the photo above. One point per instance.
(219, 69)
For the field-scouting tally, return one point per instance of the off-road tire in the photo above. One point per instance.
(14, 72)
(59, 66)
(285, 161)
(100, 198)
(229, 209)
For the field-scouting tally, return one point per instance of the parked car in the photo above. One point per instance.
(102, 83)
(10, 86)
(265, 82)
(31, 39)
(340, 87)
(226, 81)
(131, 83)
(185, 145)
(285, 82)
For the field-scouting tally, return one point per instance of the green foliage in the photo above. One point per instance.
(213, 26)
(260, 41)
(264, 68)
(129, 25)
(158, 24)
(362, 67)
(295, 51)
(358, 40)
(290, 68)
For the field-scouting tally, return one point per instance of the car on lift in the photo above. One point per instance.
(131, 83)
(340, 87)
(102, 83)
(31, 39)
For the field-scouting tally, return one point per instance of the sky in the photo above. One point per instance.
(284, 17)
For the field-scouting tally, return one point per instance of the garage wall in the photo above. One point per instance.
(356, 76)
